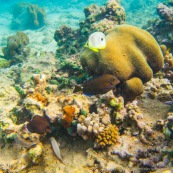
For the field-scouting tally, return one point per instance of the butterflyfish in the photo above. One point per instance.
(96, 41)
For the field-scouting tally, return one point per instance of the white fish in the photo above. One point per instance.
(56, 149)
(96, 41)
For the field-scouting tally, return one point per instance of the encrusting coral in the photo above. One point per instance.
(133, 58)
(68, 116)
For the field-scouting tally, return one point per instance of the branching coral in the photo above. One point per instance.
(168, 60)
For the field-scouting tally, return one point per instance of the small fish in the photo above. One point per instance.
(169, 102)
(99, 85)
(96, 41)
(39, 125)
(56, 149)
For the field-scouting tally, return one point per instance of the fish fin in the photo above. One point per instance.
(94, 49)
(77, 88)
(102, 47)
(86, 44)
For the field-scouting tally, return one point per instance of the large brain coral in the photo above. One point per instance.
(131, 54)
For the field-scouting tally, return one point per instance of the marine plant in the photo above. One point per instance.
(4, 63)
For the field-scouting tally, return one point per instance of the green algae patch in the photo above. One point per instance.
(4, 63)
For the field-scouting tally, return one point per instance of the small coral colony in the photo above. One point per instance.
(108, 83)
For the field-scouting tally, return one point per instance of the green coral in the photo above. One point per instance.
(83, 112)
(36, 16)
(16, 50)
(20, 91)
(4, 63)
(116, 103)
(35, 154)
(26, 15)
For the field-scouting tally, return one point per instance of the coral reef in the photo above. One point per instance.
(104, 132)
(168, 61)
(28, 16)
(116, 60)
(158, 88)
(96, 19)
(16, 50)
(161, 28)
(110, 124)
(168, 127)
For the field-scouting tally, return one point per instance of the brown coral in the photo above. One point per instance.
(130, 53)
(107, 137)
(68, 116)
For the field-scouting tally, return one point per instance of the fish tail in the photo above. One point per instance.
(77, 88)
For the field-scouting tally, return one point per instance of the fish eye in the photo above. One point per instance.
(102, 39)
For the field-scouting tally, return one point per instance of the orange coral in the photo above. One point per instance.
(39, 97)
(68, 116)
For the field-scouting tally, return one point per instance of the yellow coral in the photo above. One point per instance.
(167, 56)
(35, 153)
(108, 136)
(68, 116)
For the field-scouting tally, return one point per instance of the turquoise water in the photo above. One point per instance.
(137, 12)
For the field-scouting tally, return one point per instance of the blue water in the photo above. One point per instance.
(146, 9)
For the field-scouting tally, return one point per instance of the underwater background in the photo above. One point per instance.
(86, 86)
